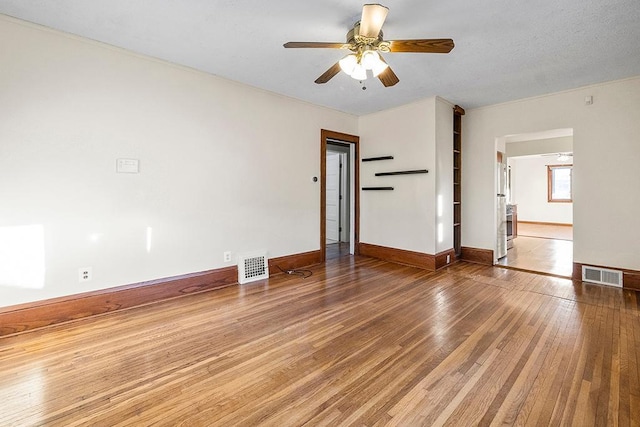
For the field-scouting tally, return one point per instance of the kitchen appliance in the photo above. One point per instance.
(511, 226)
(501, 244)
(501, 207)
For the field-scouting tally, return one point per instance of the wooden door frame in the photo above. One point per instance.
(348, 139)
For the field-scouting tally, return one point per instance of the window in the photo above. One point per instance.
(559, 183)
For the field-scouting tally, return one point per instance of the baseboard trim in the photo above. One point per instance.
(399, 256)
(441, 258)
(630, 278)
(291, 262)
(477, 255)
(406, 257)
(39, 314)
(563, 224)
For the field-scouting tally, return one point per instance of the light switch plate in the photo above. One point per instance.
(127, 165)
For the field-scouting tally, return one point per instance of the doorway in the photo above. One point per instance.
(339, 198)
(338, 189)
(539, 225)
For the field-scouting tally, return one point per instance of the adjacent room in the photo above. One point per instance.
(538, 212)
(326, 213)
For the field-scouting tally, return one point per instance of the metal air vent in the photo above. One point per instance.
(252, 267)
(602, 276)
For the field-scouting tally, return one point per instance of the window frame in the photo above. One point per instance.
(550, 169)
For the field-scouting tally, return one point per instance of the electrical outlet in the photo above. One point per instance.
(85, 274)
(448, 259)
(227, 256)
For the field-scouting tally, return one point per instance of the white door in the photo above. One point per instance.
(333, 197)
(345, 200)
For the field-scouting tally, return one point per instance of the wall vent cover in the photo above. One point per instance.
(252, 267)
(602, 276)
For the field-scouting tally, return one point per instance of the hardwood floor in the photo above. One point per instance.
(549, 256)
(337, 250)
(361, 342)
(545, 231)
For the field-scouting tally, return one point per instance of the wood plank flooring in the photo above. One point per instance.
(545, 231)
(549, 256)
(361, 342)
(337, 250)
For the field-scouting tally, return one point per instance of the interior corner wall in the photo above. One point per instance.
(606, 155)
(402, 218)
(215, 157)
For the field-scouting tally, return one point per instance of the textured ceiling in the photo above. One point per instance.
(505, 49)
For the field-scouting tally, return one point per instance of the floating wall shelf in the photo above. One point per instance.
(377, 188)
(373, 159)
(402, 172)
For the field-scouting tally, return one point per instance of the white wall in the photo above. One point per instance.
(399, 218)
(216, 168)
(529, 190)
(548, 145)
(406, 218)
(606, 158)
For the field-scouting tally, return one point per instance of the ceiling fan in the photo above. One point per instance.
(365, 41)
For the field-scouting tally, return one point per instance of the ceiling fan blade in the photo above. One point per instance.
(388, 77)
(328, 75)
(422, 45)
(373, 16)
(326, 45)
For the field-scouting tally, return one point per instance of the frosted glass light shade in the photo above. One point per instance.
(348, 63)
(379, 67)
(369, 59)
(359, 72)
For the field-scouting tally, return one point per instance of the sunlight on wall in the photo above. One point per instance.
(440, 211)
(95, 237)
(149, 238)
(22, 256)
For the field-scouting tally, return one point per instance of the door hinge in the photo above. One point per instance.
(340, 229)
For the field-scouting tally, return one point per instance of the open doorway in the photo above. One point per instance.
(337, 190)
(538, 215)
(339, 201)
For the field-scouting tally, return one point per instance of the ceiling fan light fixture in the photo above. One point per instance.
(359, 72)
(379, 67)
(369, 59)
(348, 63)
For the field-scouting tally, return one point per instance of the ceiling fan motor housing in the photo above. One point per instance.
(358, 43)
